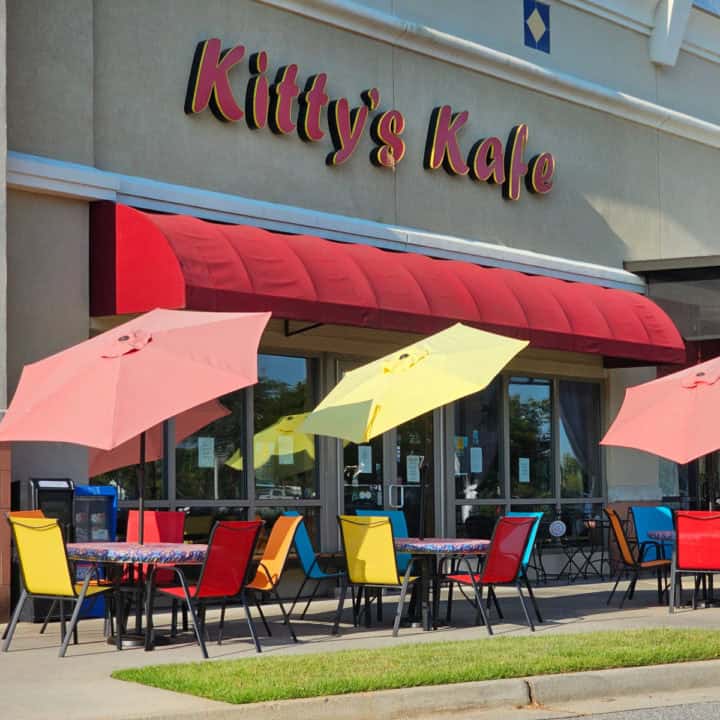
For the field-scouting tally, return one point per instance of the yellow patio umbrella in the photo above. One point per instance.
(387, 392)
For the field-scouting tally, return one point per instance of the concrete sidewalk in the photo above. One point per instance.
(36, 684)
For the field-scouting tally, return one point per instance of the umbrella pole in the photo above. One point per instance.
(141, 491)
(421, 524)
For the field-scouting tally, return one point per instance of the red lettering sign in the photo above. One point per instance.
(209, 83)
(312, 101)
(282, 95)
(540, 173)
(486, 161)
(347, 126)
(257, 96)
(515, 168)
(489, 161)
(442, 147)
(385, 131)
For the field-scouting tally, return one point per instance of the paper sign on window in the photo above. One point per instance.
(285, 449)
(206, 452)
(524, 470)
(364, 459)
(476, 460)
(412, 465)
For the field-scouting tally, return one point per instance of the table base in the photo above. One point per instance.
(127, 641)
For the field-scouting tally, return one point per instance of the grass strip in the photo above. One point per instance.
(313, 675)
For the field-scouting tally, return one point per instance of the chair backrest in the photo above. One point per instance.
(647, 518)
(230, 551)
(538, 516)
(276, 551)
(304, 547)
(41, 552)
(158, 526)
(369, 550)
(697, 539)
(507, 547)
(26, 514)
(620, 537)
(398, 521)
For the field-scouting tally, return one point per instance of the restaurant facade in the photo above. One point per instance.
(370, 172)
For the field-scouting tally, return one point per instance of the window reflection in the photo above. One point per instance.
(530, 403)
(285, 458)
(476, 445)
(203, 461)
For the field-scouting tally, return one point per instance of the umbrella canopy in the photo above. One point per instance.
(109, 389)
(674, 417)
(187, 423)
(385, 393)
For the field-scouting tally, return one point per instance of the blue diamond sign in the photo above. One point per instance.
(536, 24)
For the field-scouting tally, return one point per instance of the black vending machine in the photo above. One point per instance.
(55, 497)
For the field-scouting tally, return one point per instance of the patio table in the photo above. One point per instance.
(428, 551)
(121, 553)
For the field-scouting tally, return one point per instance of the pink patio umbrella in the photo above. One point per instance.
(107, 390)
(187, 423)
(674, 416)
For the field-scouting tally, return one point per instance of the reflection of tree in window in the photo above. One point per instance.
(530, 408)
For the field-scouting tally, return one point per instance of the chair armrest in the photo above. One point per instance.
(642, 549)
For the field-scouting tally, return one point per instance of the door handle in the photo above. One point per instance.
(400, 490)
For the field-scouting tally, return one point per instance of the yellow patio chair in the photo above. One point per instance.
(272, 563)
(371, 563)
(45, 571)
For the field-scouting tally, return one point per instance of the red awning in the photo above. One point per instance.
(142, 260)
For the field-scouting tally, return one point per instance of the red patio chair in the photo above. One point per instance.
(502, 566)
(697, 548)
(224, 575)
(159, 526)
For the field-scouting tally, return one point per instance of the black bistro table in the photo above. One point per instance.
(125, 553)
(429, 552)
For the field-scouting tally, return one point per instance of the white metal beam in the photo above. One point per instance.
(671, 19)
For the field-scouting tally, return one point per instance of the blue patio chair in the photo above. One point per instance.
(309, 562)
(645, 519)
(399, 529)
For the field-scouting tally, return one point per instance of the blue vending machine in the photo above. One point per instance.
(95, 521)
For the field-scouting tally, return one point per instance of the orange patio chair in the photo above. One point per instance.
(271, 566)
(631, 563)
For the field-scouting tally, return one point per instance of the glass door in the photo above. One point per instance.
(363, 476)
(415, 474)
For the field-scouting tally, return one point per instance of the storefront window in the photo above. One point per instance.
(579, 439)
(415, 472)
(476, 521)
(530, 414)
(581, 519)
(285, 458)
(476, 445)
(208, 464)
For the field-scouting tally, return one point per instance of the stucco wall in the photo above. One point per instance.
(48, 308)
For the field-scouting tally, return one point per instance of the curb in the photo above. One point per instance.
(518, 692)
